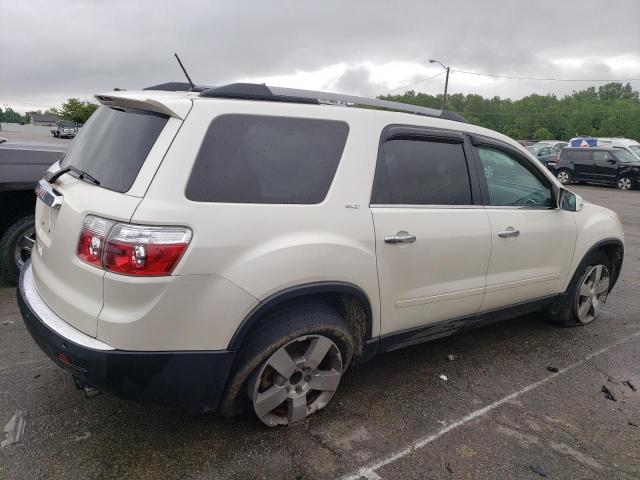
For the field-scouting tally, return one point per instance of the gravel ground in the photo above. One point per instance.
(501, 414)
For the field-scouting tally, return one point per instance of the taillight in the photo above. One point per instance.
(92, 239)
(133, 249)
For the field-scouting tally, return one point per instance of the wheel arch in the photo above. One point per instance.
(342, 295)
(614, 249)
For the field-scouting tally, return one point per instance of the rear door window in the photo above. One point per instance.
(267, 159)
(422, 172)
(579, 156)
(113, 145)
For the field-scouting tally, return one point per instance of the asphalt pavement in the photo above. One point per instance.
(501, 413)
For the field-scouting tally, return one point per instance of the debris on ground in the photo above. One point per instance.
(443, 377)
(451, 358)
(632, 424)
(8, 322)
(538, 469)
(84, 436)
(13, 429)
(630, 385)
(608, 393)
(553, 369)
(449, 469)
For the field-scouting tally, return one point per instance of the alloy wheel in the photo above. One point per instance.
(24, 246)
(563, 177)
(593, 293)
(624, 183)
(297, 380)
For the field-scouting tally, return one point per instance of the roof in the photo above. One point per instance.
(261, 92)
(45, 117)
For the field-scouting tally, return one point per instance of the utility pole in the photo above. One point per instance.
(446, 86)
(446, 83)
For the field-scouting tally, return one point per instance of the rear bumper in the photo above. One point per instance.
(194, 380)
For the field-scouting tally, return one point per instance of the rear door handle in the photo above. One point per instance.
(509, 232)
(400, 237)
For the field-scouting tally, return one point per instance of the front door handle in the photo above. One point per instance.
(400, 237)
(509, 232)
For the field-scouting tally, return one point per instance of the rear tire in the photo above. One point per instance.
(586, 294)
(624, 183)
(15, 247)
(564, 176)
(291, 365)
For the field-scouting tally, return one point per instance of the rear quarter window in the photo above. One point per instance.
(267, 159)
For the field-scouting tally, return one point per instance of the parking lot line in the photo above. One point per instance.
(369, 471)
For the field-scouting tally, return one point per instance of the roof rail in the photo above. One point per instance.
(254, 91)
(178, 87)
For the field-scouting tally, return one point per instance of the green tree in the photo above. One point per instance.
(542, 134)
(77, 111)
(609, 110)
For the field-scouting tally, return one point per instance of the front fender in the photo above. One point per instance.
(597, 226)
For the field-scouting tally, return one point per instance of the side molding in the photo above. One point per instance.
(295, 292)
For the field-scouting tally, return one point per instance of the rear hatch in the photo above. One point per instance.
(113, 160)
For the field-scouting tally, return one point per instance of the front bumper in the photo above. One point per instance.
(194, 380)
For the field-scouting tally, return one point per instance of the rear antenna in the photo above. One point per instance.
(185, 71)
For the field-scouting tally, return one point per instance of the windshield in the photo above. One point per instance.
(113, 145)
(635, 149)
(66, 124)
(533, 149)
(626, 157)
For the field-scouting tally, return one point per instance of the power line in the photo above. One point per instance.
(415, 83)
(517, 77)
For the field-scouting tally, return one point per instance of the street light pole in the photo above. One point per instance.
(446, 86)
(446, 83)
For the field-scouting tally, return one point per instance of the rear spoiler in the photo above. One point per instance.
(142, 104)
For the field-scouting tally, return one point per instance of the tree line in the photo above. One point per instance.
(611, 110)
(73, 110)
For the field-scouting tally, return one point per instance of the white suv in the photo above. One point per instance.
(243, 245)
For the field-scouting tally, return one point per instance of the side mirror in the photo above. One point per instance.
(571, 202)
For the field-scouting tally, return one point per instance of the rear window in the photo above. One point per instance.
(265, 159)
(113, 145)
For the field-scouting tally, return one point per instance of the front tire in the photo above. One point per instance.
(564, 176)
(15, 247)
(292, 364)
(625, 183)
(587, 292)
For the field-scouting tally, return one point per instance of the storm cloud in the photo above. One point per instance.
(52, 50)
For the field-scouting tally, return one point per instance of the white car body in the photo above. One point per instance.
(241, 255)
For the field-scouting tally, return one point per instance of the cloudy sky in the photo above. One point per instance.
(52, 50)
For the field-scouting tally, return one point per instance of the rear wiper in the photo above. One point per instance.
(82, 175)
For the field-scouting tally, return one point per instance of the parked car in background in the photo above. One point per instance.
(603, 165)
(559, 144)
(3, 140)
(249, 243)
(21, 166)
(632, 146)
(527, 143)
(545, 154)
(65, 129)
